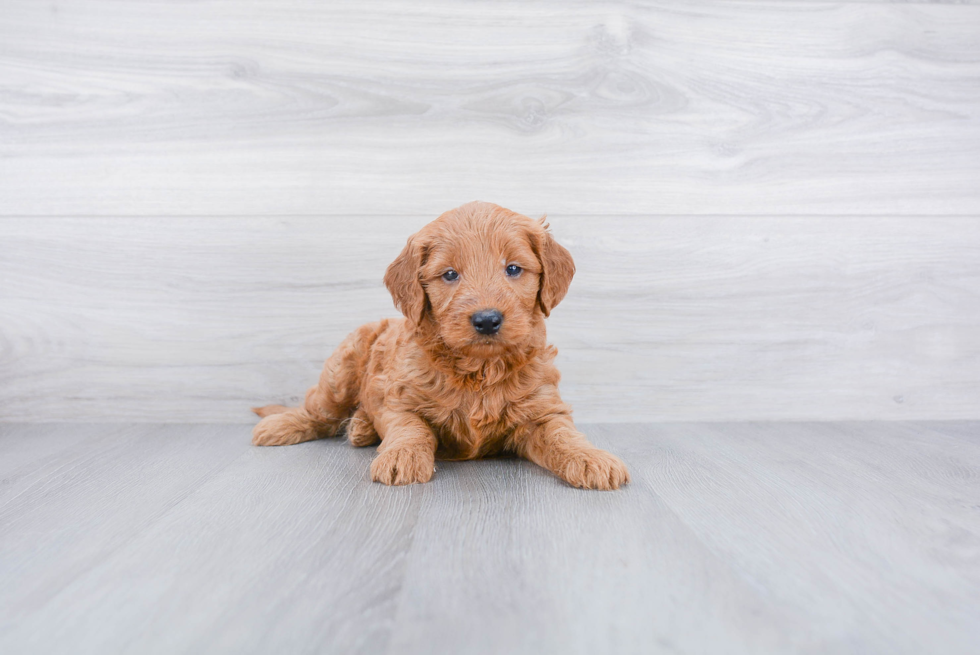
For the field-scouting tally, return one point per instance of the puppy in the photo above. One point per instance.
(468, 372)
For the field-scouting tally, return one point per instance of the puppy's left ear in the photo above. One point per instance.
(557, 269)
(403, 282)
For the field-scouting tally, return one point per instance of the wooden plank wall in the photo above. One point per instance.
(773, 206)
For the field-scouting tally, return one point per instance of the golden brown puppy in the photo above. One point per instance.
(468, 372)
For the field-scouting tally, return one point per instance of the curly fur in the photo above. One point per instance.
(429, 385)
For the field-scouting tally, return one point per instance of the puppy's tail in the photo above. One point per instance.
(269, 410)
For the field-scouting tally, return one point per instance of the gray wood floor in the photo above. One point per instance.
(733, 537)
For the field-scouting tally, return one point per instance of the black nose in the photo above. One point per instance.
(487, 321)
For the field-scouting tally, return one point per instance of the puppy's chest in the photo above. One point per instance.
(477, 424)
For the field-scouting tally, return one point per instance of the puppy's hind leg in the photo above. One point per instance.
(328, 404)
(293, 426)
(319, 417)
(360, 430)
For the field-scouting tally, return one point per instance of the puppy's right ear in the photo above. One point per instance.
(403, 281)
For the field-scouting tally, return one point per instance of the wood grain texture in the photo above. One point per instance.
(64, 515)
(503, 572)
(296, 107)
(276, 526)
(30, 446)
(777, 499)
(680, 318)
(733, 537)
(774, 206)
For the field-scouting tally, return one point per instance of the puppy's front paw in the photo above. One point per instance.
(594, 469)
(403, 465)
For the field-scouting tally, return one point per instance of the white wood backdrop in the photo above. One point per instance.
(773, 206)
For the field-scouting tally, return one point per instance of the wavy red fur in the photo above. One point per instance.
(431, 385)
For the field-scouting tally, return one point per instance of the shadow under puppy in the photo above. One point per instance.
(468, 372)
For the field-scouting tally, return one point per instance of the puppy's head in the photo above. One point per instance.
(482, 277)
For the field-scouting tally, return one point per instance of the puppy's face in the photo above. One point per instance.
(482, 276)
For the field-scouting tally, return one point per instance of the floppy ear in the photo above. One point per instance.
(557, 269)
(402, 280)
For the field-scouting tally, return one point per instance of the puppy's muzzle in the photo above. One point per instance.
(487, 321)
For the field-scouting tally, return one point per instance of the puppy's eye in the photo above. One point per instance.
(513, 270)
(450, 275)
